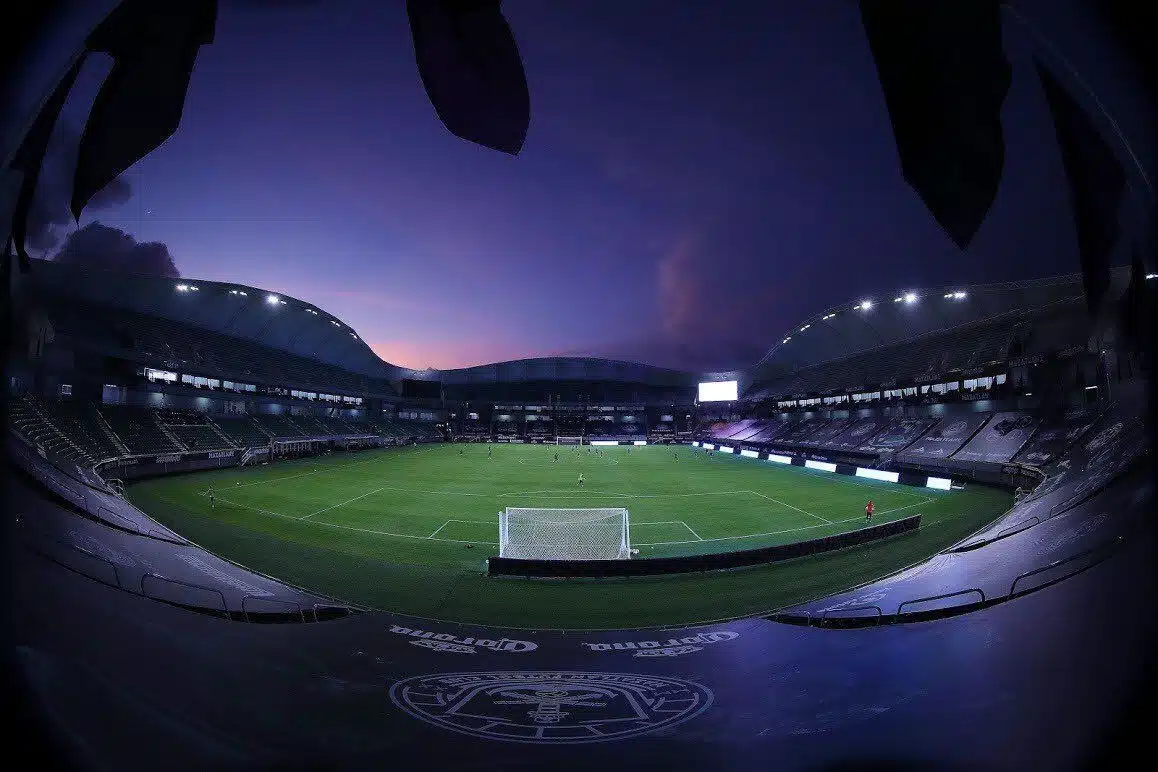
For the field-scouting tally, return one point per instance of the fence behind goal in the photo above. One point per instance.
(534, 533)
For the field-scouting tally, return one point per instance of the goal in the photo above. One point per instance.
(564, 534)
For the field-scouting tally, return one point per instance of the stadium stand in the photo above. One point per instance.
(945, 438)
(1000, 439)
(139, 430)
(280, 426)
(70, 431)
(1056, 434)
(857, 434)
(242, 430)
(194, 430)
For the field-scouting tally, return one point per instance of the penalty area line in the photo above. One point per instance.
(271, 513)
(342, 504)
(698, 537)
(784, 504)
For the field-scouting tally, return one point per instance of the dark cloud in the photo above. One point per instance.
(99, 247)
(50, 207)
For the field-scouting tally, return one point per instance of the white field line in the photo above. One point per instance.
(784, 504)
(749, 535)
(439, 528)
(569, 493)
(698, 537)
(342, 504)
(907, 506)
(350, 527)
(778, 533)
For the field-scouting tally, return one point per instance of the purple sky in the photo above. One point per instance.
(698, 177)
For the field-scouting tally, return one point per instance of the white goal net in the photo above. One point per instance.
(564, 534)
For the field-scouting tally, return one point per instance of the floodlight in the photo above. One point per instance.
(788, 339)
(182, 287)
(1152, 276)
(910, 297)
(865, 305)
(272, 299)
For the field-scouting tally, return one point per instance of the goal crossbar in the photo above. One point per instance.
(537, 533)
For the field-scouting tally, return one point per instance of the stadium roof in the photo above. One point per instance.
(302, 328)
(567, 369)
(239, 310)
(890, 318)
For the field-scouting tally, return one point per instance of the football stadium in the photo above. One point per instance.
(241, 537)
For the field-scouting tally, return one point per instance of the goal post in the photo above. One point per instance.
(533, 533)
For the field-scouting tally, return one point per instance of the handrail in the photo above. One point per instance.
(824, 616)
(1055, 564)
(939, 597)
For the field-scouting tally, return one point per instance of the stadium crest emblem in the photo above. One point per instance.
(449, 642)
(672, 647)
(553, 707)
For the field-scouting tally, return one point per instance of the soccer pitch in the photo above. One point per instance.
(409, 529)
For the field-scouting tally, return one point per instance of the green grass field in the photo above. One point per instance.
(409, 529)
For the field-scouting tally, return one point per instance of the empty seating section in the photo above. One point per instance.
(194, 430)
(139, 430)
(63, 429)
(243, 430)
(281, 426)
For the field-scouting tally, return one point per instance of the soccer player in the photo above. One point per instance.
(489, 452)
(556, 458)
(211, 498)
(580, 478)
(868, 511)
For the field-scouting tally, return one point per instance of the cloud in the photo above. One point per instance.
(50, 206)
(680, 286)
(710, 317)
(99, 247)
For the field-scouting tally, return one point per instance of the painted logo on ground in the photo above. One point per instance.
(550, 706)
(449, 642)
(672, 647)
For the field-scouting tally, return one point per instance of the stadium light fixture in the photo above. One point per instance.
(896, 300)
(335, 323)
(1152, 276)
(788, 339)
(805, 327)
(910, 297)
(864, 305)
(182, 287)
(272, 299)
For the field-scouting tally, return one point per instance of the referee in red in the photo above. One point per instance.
(868, 511)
